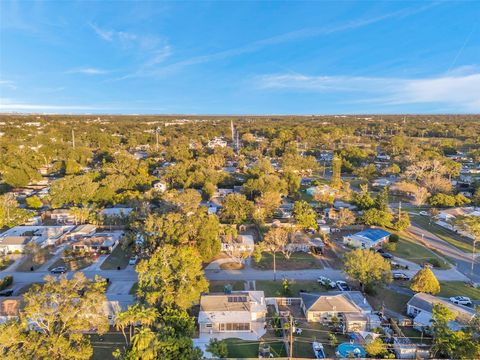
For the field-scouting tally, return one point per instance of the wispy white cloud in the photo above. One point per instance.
(288, 37)
(88, 71)
(9, 105)
(455, 90)
(8, 84)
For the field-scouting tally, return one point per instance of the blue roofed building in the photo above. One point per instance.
(367, 239)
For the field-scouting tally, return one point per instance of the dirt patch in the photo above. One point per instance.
(231, 266)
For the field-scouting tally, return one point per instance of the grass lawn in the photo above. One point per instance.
(455, 288)
(231, 266)
(5, 262)
(391, 299)
(249, 349)
(118, 257)
(417, 253)
(75, 264)
(297, 261)
(104, 345)
(415, 335)
(133, 289)
(274, 288)
(28, 261)
(451, 237)
(219, 286)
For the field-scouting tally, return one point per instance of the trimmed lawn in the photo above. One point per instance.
(28, 262)
(275, 288)
(216, 286)
(297, 261)
(75, 264)
(456, 288)
(391, 299)
(118, 257)
(415, 335)
(231, 266)
(249, 349)
(451, 237)
(302, 344)
(104, 345)
(417, 253)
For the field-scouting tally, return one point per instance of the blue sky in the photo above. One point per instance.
(240, 57)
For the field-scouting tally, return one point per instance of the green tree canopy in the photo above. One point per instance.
(425, 281)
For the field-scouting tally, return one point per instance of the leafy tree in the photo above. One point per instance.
(336, 180)
(187, 201)
(74, 189)
(403, 222)
(345, 217)
(218, 348)
(425, 281)
(266, 204)
(305, 215)
(376, 348)
(362, 199)
(34, 202)
(55, 316)
(368, 267)
(377, 217)
(209, 190)
(381, 200)
(445, 200)
(293, 182)
(276, 240)
(171, 277)
(10, 213)
(236, 209)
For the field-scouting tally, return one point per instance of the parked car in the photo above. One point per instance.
(342, 286)
(424, 213)
(380, 251)
(8, 292)
(386, 255)
(326, 282)
(461, 300)
(133, 260)
(400, 276)
(59, 270)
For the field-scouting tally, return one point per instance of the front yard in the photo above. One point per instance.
(408, 249)
(297, 261)
(118, 258)
(275, 288)
(456, 288)
(217, 286)
(73, 263)
(34, 261)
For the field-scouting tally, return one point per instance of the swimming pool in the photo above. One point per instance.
(348, 350)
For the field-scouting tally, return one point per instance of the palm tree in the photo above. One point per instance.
(145, 344)
(134, 316)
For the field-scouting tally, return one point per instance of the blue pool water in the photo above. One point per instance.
(348, 350)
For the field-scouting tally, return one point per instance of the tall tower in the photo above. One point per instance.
(232, 128)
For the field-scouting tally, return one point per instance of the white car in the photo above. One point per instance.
(133, 260)
(326, 282)
(461, 300)
(424, 213)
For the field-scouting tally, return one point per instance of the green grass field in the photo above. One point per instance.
(455, 288)
(275, 288)
(391, 299)
(452, 238)
(118, 257)
(249, 349)
(297, 261)
(104, 345)
(408, 249)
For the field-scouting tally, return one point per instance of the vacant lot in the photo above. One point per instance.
(297, 261)
(118, 258)
(408, 249)
(390, 299)
(455, 288)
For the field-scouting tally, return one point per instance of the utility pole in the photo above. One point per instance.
(399, 210)
(73, 138)
(156, 137)
(291, 338)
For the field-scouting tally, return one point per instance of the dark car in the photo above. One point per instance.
(400, 276)
(8, 292)
(386, 255)
(59, 270)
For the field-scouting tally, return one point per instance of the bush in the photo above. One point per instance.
(390, 246)
(6, 282)
(394, 238)
(435, 262)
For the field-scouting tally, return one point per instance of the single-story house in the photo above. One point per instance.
(10, 308)
(113, 307)
(243, 243)
(239, 314)
(350, 308)
(420, 308)
(95, 243)
(82, 231)
(62, 216)
(12, 244)
(42, 235)
(160, 186)
(116, 212)
(366, 239)
(381, 182)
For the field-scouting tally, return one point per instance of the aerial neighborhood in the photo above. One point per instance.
(239, 237)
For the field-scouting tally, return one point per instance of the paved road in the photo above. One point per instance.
(463, 260)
